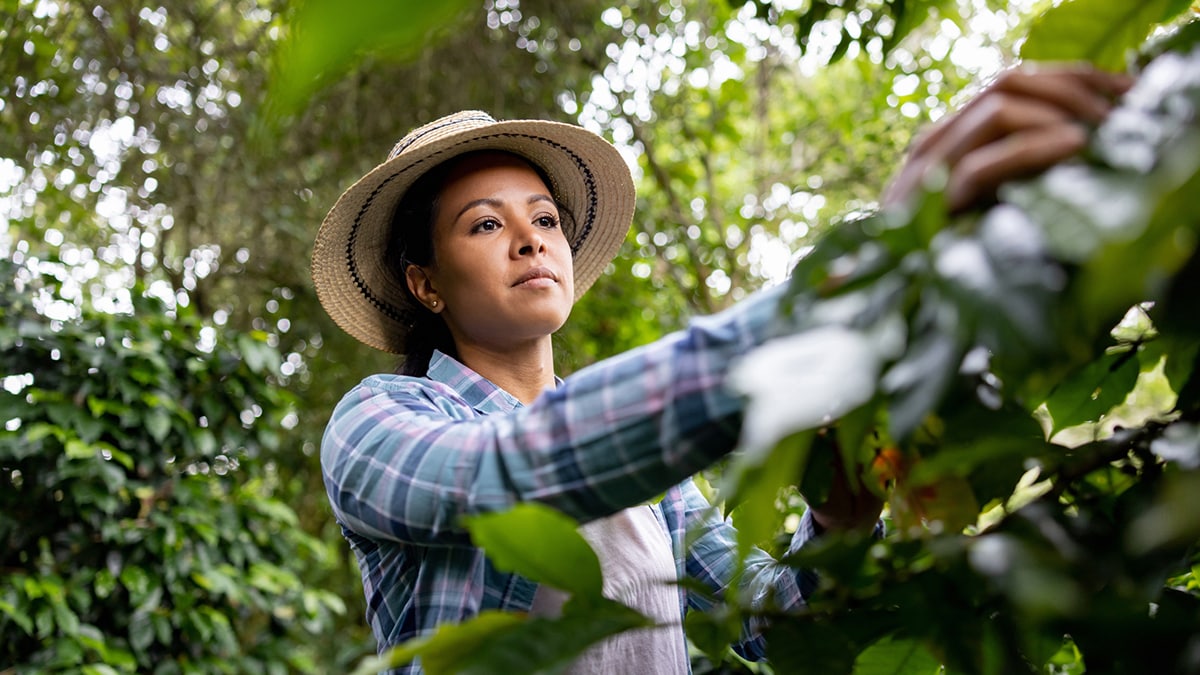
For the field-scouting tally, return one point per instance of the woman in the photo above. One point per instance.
(464, 252)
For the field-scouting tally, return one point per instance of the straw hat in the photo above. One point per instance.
(365, 294)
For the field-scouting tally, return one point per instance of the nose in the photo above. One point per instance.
(528, 241)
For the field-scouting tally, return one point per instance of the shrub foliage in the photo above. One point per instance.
(139, 524)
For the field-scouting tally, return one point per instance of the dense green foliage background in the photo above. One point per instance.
(167, 370)
(141, 530)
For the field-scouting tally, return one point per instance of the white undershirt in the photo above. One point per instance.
(639, 571)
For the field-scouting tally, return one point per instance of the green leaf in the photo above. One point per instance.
(65, 618)
(757, 515)
(92, 639)
(257, 358)
(917, 382)
(119, 456)
(911, 14)
(35, 588)
(1003, 282)
(22, 619)
(531, 646)
(141, 631)
(223, 631)
(104, 583)
(992, 448)
(540, 543)
(44, 621)
(205, 442)
(891, 656)
(1088, 394)
(818, 469)
(713, 631)
(276, 511)
(1099, 31)
(500, 643)
(853, 433)
(1176, 354)
(40, 430)
(199, 623)
(158, 424)
(162, 627)
(325, 41)
(136, 581)
(801, 382)
(77, 449)
(816, 272)
(1181, 40)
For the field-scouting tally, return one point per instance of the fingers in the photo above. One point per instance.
(1083, 93)
(1079, 91)
(981, 171)
(992, 118)
(1026, 121)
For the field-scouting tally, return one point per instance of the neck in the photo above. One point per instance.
(524, 371)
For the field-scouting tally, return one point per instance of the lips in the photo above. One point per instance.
(536, 273)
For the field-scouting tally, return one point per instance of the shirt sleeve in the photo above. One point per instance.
(398, 464)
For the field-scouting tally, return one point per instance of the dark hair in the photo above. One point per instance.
(410, 242)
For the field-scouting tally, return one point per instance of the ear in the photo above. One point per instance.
(422, 288)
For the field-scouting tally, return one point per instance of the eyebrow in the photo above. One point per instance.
(496, 203)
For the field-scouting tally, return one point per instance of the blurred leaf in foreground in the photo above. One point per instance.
(1099, 31)
(327, 39)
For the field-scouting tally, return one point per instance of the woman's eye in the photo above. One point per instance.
(548, 222)
(488, 225)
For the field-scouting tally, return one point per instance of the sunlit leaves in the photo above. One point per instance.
(1101, 31)
(992, 304)
(858, 23)
(1088, 394)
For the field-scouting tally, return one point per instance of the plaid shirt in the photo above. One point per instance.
(404, 458)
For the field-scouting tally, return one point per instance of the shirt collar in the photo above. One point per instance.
(476, 390)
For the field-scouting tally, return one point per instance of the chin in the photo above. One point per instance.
(547, 324)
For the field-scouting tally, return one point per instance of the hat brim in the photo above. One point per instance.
(356, 283)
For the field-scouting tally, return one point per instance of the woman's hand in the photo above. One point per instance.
(1026, 121)
(846, 507)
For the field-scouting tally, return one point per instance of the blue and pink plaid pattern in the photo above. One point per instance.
(404, 458)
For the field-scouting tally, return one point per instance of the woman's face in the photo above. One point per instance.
(502, 272)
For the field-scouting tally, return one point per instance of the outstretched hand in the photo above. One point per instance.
(1027, 120)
